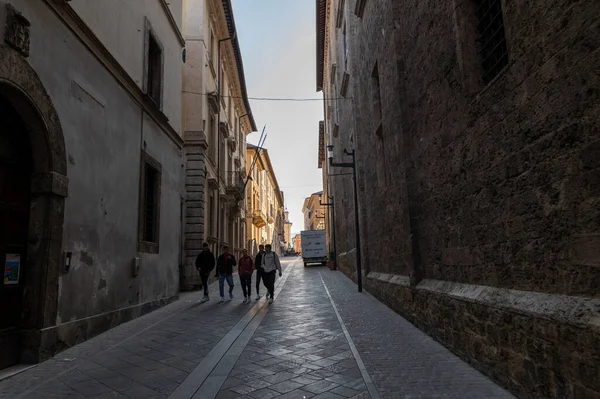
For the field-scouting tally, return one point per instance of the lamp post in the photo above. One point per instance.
(219, 139)
(356, 225)
(331, 204)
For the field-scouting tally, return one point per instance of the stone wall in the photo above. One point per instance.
(482, 186)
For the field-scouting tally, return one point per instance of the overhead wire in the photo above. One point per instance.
(274, 98)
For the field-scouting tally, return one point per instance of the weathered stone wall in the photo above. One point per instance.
(535, 355)
(493, 186)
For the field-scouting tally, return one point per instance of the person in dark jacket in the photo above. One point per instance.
(225, 264)
(259, 269)
(245, 270)
(205, 263)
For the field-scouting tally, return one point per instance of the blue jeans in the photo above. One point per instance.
(222, 278)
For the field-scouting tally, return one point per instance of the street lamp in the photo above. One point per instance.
(356, 225)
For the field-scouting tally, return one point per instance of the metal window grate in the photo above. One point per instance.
(150, 203)
(492, 37)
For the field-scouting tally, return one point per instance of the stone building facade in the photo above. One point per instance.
(216, 120)
(90, 168)
(477, 137)
(287, 231)
(314, 212)
(265, 201)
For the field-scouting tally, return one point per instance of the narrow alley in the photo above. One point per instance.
(319, 339)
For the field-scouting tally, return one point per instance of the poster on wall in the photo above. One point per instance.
(12, 266)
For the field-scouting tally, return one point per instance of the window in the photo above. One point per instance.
(376, 95)
(212, 137)
(345, 48)
(340, 14)
(149, 204)
(211, 47)
(211, 209)
(492, 38)
(154, 66)
(359, 10)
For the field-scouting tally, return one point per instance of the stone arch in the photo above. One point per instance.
(22, 88)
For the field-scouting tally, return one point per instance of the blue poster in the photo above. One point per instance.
(12, 266)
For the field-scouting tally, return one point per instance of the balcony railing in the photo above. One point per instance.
(235, 184)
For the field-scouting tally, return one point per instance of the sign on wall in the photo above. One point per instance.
(12, 269)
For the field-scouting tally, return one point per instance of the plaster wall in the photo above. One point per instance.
(105, 131)
(120, 26)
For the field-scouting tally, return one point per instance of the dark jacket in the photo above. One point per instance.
(246, 267)
(258, 261)
(205, 262)
(225, 264)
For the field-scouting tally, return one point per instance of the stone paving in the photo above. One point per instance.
(293, 348)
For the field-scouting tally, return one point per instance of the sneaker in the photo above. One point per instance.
(270, 300)
(257, 297)
(245, 300)
(222, 299)
(205, 299)
(231, 295)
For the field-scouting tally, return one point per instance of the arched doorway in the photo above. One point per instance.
(33, 187)
(15, 193)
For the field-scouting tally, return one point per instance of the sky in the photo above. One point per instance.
(278, 45)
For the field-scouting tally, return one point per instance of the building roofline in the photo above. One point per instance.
(321, 21)
(238, 59)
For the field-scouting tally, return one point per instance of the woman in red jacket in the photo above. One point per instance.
(245, 270)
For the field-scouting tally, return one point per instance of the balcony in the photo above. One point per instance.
(259, 219)
(235, 185)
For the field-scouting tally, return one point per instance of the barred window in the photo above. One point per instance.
(150, 204)
(492, 38)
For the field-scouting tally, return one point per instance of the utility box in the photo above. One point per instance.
(136, 266)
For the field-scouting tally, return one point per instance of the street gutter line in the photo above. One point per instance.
(206, 379)
(361, 366)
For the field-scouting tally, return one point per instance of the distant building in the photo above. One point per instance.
(287, 231)
(314, 212)
(297, 243)
(266, 215)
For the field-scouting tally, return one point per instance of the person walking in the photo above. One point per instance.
(205, 263)
(225, 264)
(259, 269)
(245, 270)
(270, 264)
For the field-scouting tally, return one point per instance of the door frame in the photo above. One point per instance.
(22, 87)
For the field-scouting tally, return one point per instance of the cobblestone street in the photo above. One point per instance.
(319, 339)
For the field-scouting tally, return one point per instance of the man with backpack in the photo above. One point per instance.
(205, 263)
(270, 264)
